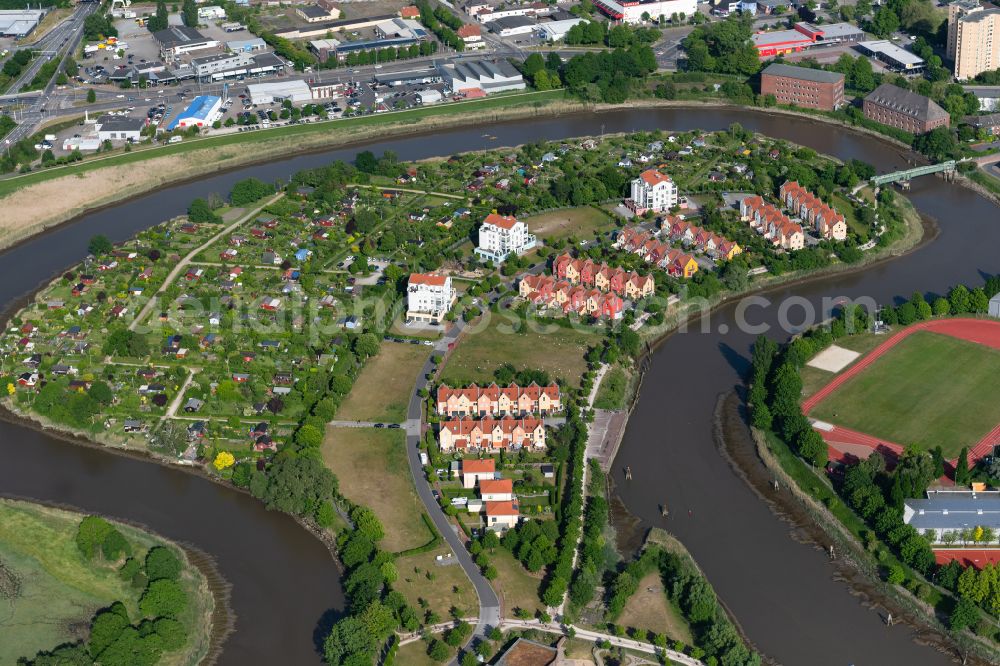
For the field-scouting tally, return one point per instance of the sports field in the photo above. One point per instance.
(927, 390)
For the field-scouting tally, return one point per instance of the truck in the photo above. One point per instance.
(176, 139)
(424, 460)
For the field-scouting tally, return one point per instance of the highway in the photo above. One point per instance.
(61, 40)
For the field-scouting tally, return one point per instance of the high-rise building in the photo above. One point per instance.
(973, 38)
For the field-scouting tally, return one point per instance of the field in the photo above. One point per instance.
(649, 609)
(447, 587)
(382, 390)
(372, 470)
(517, 587)
(928, 390)
(60, 590)
(580, 223)
(559, 352)
(813, 379)
(415, 654)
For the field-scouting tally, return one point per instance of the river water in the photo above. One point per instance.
(285, 585)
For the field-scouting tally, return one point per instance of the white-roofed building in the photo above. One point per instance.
(429, 297)
(295, 90)
(485, 75)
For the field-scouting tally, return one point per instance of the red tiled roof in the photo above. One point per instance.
(430, 279)
(496, 486)
(479, 466)
(502, 509)
(502, 221)
(469, 30)
(654, 177)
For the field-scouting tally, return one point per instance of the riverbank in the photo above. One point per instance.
(814, 524)
(42, 200)
(51, 591)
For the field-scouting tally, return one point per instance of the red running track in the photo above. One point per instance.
(978, 557)
(981, 331)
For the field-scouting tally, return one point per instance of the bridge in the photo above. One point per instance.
(900, 176)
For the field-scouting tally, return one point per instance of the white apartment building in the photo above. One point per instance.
(501, 236)
(429, 297)
(653, 191)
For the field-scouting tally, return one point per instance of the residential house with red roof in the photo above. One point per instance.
(827, 222)
(491, 434)
(475, 471)
(653, 191)
(503, 235)
(772, 224)
(493, 400)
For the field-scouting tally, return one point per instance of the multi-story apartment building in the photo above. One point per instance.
(973, 38)
(904, 110)
(493, 400)
(803, 86)
(429, 297)
(653, 191)
(503, 235)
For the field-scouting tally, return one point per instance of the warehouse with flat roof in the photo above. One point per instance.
(893, 57)
(297, 91)
(202, 112)
(19, 22)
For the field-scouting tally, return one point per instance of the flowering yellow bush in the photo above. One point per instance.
(223, 460)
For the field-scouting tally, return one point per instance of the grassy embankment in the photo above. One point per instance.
(382, 390)
(59, 590)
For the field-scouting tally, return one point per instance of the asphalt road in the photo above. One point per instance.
(489, 603)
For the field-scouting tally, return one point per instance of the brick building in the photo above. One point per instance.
(904, 110)
(801, 86)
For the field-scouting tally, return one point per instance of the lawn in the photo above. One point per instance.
(927, 391)
(447, 586)
(580, 223)
(415, 653)
(517, 587)
(649, 609)
(382, 390)
(842, 205)
(558, 351)
(60, 590)
(372, 470)
(813, 379)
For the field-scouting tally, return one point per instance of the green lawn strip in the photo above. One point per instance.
(345, 125)
(927, 391)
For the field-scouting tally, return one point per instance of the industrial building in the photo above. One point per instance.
(486, 75)
(202, 112)
(19, 22)
(631, 11)
(554, 31)
(211, 12)
(904, 110)
(120, 128)
(247, 45)
(321, 29)
(802, 86)
(316, 14)
(508, 26)
(179, 39)
(894, 58)
(973, 38)
(297, 91)
(805, 36)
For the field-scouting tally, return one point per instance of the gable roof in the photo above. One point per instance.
(484, 466)
(653, 177)
(803, 73)
(429, 279)
(906, 102)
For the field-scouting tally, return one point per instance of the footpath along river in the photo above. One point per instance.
(285, 586)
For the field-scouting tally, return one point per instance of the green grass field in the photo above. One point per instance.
(929, 390)
(558, 351)
(580, 223)
(382, 390)
(371, 468)
(60, 590)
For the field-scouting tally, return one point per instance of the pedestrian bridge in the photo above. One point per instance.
(899, 176)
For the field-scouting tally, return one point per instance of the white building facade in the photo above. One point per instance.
(653, 191)
(429, 297)
(503, 235)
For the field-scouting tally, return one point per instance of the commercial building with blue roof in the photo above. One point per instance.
(202, 111)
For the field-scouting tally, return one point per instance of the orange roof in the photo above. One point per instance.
(479, 466)
(502, 221)
(409, 12)
(430, 279)
(469, 30)
(502, 509)
(473, 93)
(497, 486)
(654, 177)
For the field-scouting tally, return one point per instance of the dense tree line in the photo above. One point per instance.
(97, 26)
(442, 23)
(250, 190)
(160, 20)
(201, 212)
(722, 46)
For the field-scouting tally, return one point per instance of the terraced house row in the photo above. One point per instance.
(676, 263)
(588, 273)
(491, 434)
(772, 224)
(701, 240)
(493, 400)
(827, 222)
(548, 292)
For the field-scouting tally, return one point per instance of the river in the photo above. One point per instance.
(285, 585)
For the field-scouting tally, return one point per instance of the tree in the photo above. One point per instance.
(223, 460)
(962, 468)
(99, 245)
(105, 629)
(162, 563)
(367, 523)
(885, 22)
(249, 190)
(964, 614)
(163, 598)
(348, 643)
(438, 651)
(309, 436)
(91, 533)
(91, 96)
